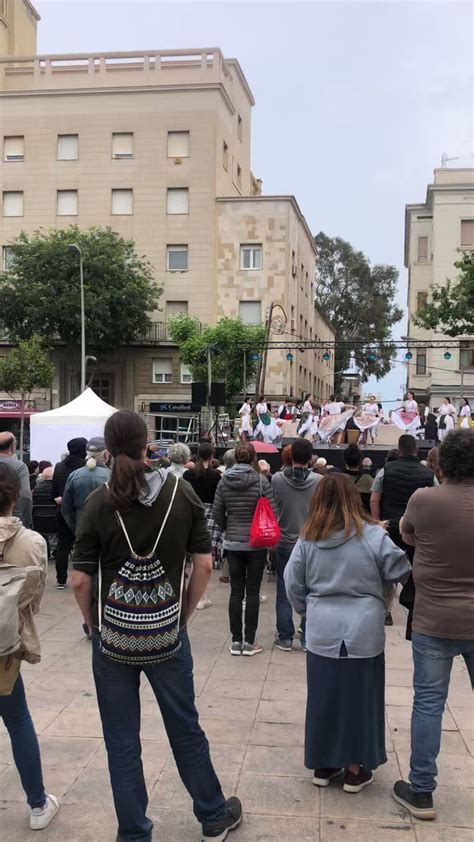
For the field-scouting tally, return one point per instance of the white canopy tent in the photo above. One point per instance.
(50, 431)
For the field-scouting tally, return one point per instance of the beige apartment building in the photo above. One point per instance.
(437, 232)
(156, 145)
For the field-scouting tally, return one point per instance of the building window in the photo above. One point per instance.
(225, 155)
(251, 257)
(13, 203)
(467, 354)
(122, 145)
(250, 312)
(8, 258)
(177, 200)
(294, 266)
(162, 370)
(421, 301)
(176, 308)
(177, 258)
(421, 361)
(67, 203)
(239, 126)
(186, 376)
(422, 249)
(14, 148)
(178, 144)
(122, 202)
(68, 147)
(467, 233)
(238, 177)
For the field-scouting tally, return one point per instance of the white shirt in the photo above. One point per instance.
(411, 406)
(465, 412)
(334, 408)
(245, 409)
(307, 406)
(261, 408)
(447, 409)
(371, 408)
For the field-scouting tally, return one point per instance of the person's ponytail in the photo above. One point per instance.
(126, 482)
(126, 439)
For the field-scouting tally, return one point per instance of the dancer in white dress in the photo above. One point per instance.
(407, 417)
(308, 403)
(446, 418)
(465, 413)
(246, 429)
(266, 426)
(370, 408)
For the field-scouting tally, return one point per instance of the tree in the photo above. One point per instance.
(25, 369)
(228, 340)
(41, 292)
(359, 301)
(451, 309)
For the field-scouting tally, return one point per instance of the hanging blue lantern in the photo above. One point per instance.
(289, 357)
(447, 355)
(372, 358)
(408, 355)
(326, 356)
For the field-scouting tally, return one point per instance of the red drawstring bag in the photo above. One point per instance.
(264, 531)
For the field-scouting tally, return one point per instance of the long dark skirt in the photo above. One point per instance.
(345, 712)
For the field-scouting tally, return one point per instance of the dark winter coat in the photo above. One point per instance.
(234, 504)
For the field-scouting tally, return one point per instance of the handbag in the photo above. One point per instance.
(264, 530)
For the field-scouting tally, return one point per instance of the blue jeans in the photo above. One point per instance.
(118, 695)
(433, 659)
(16, 716)
(284, 611)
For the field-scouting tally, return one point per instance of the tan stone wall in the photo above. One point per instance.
(17, 28)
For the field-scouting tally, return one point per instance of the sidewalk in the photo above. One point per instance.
(252, 710)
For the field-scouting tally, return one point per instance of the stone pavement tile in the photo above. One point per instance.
(46, 699)
(374, 801)
(270, 795)
(47, 662)
(73, 823)
(294, 691)
(234, 688)
(169, 791)
(468, 737)
(76, 723)
(92, 786)
(399, 696)
(239, 668)
(67, 751)
(86, 701)
(454, 805)
(226, 731)
(453, 769)
(152, 728)
(399, 677)
(337, 830)
(277, 829)
(284, 658)
(464, 717)
(58, 682)
(277, 734)
(276, 760)
(461, 698)
(278, 711)
(400, 717)
(434, 832)
(225, 759)
(57, 779)
(42, 718)
(292, 670)
(174, 825)
(74, 661)
(451, 742)
(390, 771)
(223, 707)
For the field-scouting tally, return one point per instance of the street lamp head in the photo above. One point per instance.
(74, 247)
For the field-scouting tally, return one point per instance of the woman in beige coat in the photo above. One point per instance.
(22, 548)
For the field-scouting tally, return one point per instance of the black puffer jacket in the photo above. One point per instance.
(234, 504)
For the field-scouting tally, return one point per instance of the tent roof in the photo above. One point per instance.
(86, 407)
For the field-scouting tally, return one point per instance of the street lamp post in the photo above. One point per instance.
(75, 247)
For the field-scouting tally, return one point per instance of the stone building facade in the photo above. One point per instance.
(157, 146)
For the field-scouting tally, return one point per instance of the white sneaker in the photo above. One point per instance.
(205, 602)
(41, 816)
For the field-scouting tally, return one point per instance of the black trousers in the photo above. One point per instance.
(407, 595)
(63, 549)
(246, 572)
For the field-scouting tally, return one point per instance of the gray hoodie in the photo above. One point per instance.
(339, 582)
(293, 490)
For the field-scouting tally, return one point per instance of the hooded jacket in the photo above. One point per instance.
(79, 485)
(339, 583)
(293, 490)
(24, 548)
(236, 498)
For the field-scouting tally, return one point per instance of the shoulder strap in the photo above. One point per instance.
(165, 519)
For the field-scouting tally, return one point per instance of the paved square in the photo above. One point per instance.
(253, 712)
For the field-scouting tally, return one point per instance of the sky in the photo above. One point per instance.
(355, 101)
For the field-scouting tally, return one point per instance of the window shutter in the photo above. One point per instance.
(12, 203)
(178, 200)
(122, 202)
(176, 308)
(250, 312)
(122, 145)
(422, 248)
(14, 148)
(467, 233)
(67, 203)
(68, 147)
(178, 144)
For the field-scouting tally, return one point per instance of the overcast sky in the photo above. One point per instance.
(355, 102)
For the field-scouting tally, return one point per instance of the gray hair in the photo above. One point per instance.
(179, 453)
(229, 458)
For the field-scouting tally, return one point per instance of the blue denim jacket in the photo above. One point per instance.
(339, 583)
(79, 485)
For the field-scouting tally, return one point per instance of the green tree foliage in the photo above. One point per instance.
(359, 301)
(227, 341)
(451, 309)
(25, 369)
(41, 293)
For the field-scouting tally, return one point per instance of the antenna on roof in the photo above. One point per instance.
(445, 160)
